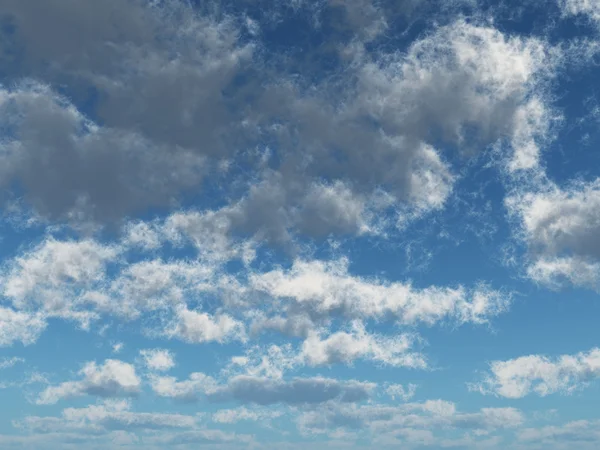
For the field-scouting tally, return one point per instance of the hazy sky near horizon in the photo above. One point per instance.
(271, 224)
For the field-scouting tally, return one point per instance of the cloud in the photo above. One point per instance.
(161, 114)
(158, 359)
(114, 378)
(152, 285)
(560, 227)
(428, 416)
(183, 95)
(196, 327)
(522, 376)
(110, 415)
(580, 7)
(403, 393)
(21, 327)
(323, 288)
(49, 277)
(460, 76)
(345, 347)
(7, 363)
(94, 173)
(582, 433)
(262, 390)
(245, 414)
(202, 437)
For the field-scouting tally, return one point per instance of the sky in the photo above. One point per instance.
(343, 224)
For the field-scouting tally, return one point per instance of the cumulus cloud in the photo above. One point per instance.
(198, 327)
(322, 288)
(113, 378)
(541, 375)
(49, 277)
(159, 121)
(398, 391)
(181, 93)
(73, 187)
(345, 347)
(587, 8)
(151, 285)
(16, 326)
(158, 359)
(560, 227)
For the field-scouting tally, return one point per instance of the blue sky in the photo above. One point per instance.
(267, 225)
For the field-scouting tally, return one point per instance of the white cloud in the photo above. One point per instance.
(142, 235)
(211, 234)
(151, 285)
(560, 227)
(590, 8)
(345, 347)
(18, 326)
(321, 288)
(401, 392)
(7, 363)
(50, 277)
(522, 376)
(158, 359)
(198, 327)
(114, 378)
(191, 389)
(116, 348)
(460, 75)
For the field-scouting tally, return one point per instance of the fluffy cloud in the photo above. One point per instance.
(94, 173)
(262, 390)
(462, 76)
(346, 347)
(181, 94)
(588, 8)
(161, 114)
(560, 227)
(319, 289)
(114, 378)
(196, 327)
(51, 276)
(18, 326)
(158, 359)
(519, 377)
(401, 392)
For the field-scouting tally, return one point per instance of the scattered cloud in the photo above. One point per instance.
(541, 375)
(113, 378)
(158, 359)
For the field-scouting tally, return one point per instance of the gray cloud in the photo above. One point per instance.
(263, 390)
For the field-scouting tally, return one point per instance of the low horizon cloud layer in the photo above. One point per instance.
(267, 225)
